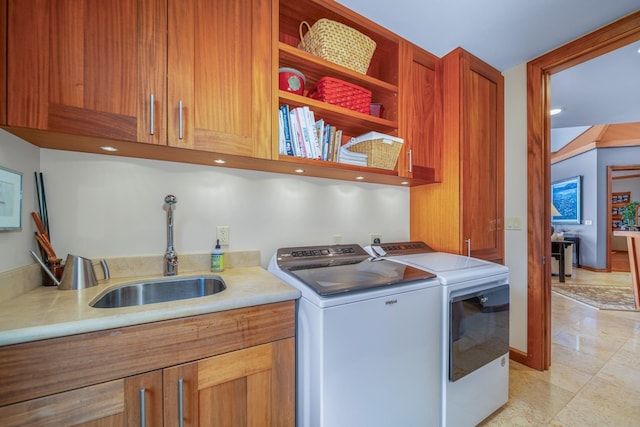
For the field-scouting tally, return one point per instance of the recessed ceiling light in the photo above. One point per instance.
(360, 177)
(405, 183)
(220, 161)
(108, 148)
(555, 111)
(299, 171)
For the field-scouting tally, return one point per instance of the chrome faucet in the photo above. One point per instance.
(170, 256)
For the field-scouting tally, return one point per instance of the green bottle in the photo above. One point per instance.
(217, 258)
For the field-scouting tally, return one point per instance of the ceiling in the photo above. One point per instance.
(507, 33)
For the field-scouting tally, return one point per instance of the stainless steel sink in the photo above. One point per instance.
(160, 290)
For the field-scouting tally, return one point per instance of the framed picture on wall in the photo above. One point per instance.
(566, 197)
(10, 199)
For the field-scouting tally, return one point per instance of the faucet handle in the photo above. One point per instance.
(171, 263)
(171, 257)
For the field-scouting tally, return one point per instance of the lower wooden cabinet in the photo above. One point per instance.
(251, 385)
(114, 403)
(247, 387)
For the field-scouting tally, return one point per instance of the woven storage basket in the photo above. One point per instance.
(343, 94)
(382, 150)
(337, 43)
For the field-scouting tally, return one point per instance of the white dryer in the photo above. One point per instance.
(475, 334)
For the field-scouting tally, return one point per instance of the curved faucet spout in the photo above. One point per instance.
(170, 256)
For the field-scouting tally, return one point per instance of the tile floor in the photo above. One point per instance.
(594, 379)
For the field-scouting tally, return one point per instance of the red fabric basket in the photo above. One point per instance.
(343, 94)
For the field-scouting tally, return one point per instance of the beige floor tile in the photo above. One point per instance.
(623, 370)
(594, 378)
(601, 403)
(587, 363)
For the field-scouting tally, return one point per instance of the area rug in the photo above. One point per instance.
(600, 297)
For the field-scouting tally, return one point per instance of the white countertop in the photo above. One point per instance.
(47, 312)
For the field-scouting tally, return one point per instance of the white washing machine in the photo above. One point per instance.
(475, 333)
(361, 360)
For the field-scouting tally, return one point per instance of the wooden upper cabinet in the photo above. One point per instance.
(466, 210)
(219, 75)
(420, 114)
(87, 67)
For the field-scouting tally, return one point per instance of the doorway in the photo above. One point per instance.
(627, 174)
(539, 71)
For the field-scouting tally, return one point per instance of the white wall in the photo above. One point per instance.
(20, 156)
(104, 206)
(515, 196)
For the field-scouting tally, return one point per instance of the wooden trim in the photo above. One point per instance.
(517, 356)
(80, 360)
(539, 70)
(626, 176)
(600, 136)
(3, 61)
(609, 217)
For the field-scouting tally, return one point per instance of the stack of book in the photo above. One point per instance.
(301, 135)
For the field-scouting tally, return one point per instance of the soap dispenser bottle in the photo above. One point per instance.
(217, 258)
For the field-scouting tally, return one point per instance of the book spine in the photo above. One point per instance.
(331, 156)
(296, 134)
(284, 112)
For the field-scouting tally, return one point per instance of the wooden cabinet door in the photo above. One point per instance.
(249, 387)
(469, 203)
(88, 67)
(219, 76)
(482, 158)
(114, 403)
(420, 115)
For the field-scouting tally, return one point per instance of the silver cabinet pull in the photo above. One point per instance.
(180, 400)
(180, 128)
(152, 114)
(468, 247)
(143, 418)
(410, 161)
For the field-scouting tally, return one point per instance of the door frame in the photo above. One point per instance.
(611, 169)
(608, 38)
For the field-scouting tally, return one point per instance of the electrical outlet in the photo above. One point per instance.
(375, 239)
(337, 239)
(222, 234)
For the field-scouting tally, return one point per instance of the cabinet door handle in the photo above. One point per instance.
(468, 247)
(180, 128)
(143, 418)
(410, 161)
(181, 402)
(152, 114)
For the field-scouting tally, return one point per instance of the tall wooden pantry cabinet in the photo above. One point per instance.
(464, 213)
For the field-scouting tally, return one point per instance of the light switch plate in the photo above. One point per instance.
(513, 223)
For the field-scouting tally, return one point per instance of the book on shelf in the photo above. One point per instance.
(337, 143)
(310, 133)
(331, 154)
(286, 130)
(303, 136)
(297, 140)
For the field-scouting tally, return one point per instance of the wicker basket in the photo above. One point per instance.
(337, 43)
(341, 93)
(382, 150)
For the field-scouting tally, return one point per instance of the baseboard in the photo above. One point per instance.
(595, 270)
(518, 356)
